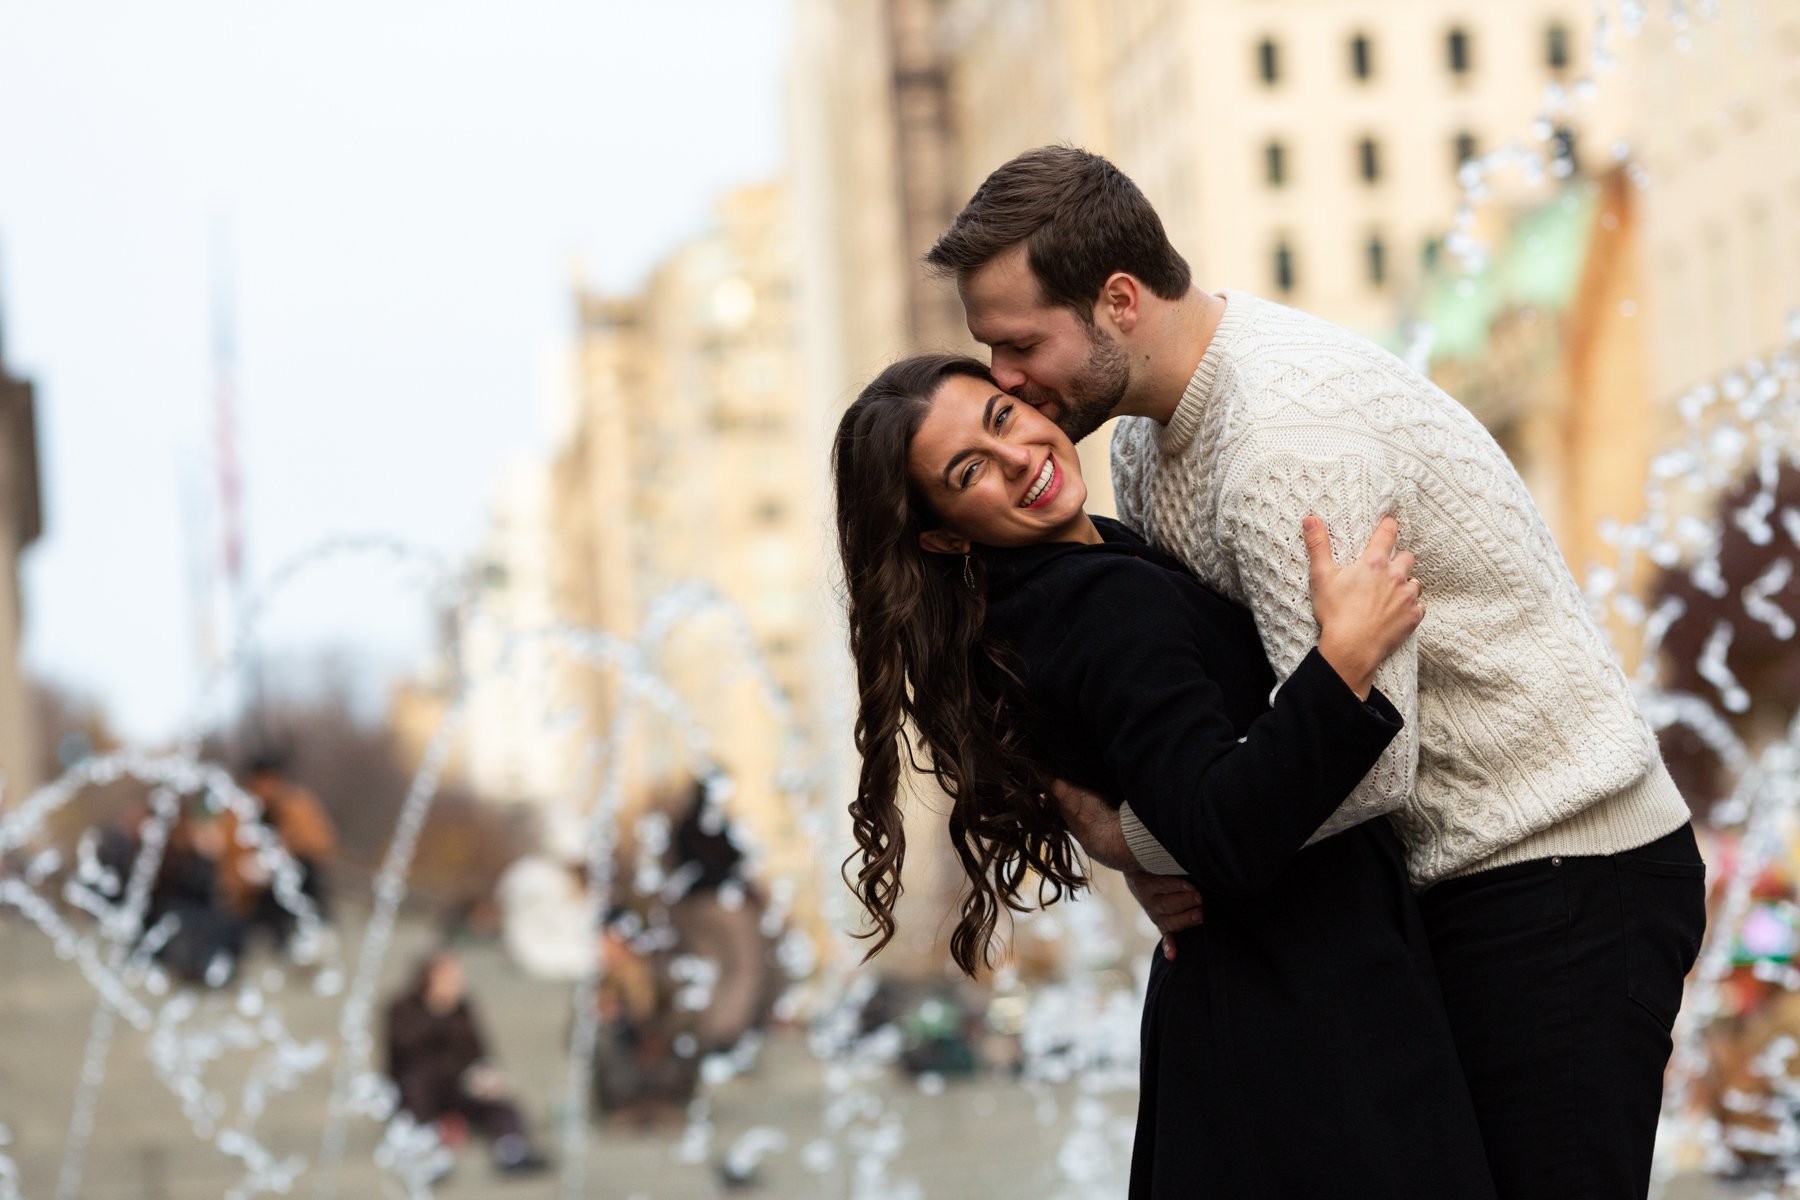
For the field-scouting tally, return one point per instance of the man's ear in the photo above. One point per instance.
(1118, 302)
(942, 541)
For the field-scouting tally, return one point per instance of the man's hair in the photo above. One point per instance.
(1081, 220)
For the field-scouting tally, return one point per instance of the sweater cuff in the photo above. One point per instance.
(1150, 854)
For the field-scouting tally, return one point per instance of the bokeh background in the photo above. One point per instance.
(341, 343)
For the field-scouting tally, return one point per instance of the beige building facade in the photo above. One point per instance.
(516, 752)
(685, 463)
(1310, 152)
(1718, 105)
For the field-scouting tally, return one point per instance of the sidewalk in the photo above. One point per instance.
(989, 1139)
(985, 1139)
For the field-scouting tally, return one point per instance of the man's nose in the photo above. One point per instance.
(1009, 377)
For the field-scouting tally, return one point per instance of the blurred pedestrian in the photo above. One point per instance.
(717, 914)
(545, 923)
(200, 940)
(304, 830)
(439, 1060)
(646, 1064)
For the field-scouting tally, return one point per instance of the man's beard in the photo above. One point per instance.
(1093, 395)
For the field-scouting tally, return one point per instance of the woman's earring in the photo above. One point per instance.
(968, 574)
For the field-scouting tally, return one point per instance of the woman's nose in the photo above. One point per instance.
(1015, 459)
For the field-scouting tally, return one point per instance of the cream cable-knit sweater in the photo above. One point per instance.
(1522, 738)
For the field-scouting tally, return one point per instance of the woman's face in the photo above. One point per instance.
(997, 471)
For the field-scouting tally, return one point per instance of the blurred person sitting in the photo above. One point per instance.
(304, 830)
(438, 1059)
(201, 941)
(717, 912)
(644, 1072)
(545, 923)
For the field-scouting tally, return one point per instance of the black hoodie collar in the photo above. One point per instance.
(1010, 568)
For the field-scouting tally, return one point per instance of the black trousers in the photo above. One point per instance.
(1562, 978)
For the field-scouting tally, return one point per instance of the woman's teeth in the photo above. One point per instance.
(1043, 481)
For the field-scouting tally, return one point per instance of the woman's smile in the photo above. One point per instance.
(1045, 487)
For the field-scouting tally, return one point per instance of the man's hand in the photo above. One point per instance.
(1171, 903)
(1095, 824)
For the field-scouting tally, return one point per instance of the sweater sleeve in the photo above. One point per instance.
(1231, 813)
(1272, 482)
(1127, 453)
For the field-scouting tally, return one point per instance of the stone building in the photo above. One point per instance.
(684, 461)
(1718, 118)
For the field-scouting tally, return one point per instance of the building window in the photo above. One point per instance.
(1268, 61)
(1466, 150)
(1556, 47)
(1375, 258)
(1368, 160)
(1362, 64)
(1456, 46)
(1275, 164)
(1284, 267)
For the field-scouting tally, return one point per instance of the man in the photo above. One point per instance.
(1562, 886)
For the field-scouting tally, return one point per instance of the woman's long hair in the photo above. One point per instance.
(923, 660)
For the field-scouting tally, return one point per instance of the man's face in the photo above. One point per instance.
(1044, 354)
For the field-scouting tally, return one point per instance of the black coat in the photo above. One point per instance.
(428, 1054)
(1297, 1047)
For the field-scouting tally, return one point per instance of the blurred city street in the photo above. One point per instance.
(417, 496)
(984, 1139)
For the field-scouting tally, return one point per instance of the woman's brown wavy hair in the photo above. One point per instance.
(929, 678)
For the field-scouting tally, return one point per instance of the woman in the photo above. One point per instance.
(1296, 1045)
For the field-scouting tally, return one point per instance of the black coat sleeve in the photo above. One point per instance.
(1232, 813)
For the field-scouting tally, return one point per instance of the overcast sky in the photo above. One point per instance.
(406, 185)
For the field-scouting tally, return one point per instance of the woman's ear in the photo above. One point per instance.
(942, 541)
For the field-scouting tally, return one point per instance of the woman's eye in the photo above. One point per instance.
(1001, 417)
(968, 474)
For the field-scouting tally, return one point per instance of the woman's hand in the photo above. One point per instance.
(1366, 608)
